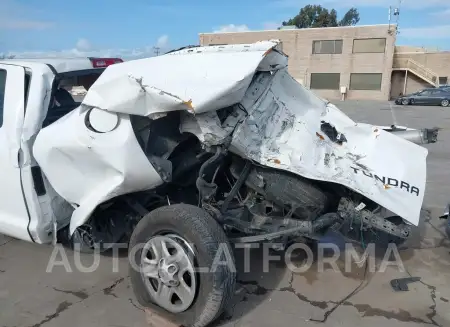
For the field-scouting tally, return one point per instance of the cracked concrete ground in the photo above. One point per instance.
(31, 297)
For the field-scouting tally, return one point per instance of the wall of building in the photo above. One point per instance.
(413, 83)
(438, 62)
(408, 48)
(298, 45)
(397, 85)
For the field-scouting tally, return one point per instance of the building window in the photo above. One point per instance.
(365, 81)
(325, 81)
(443, 80)
(327, 47)
(369, 45)
(2, 93)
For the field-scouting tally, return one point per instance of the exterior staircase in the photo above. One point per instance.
(407, 64)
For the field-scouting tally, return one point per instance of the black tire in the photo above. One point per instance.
(445, 103)
(215, 289)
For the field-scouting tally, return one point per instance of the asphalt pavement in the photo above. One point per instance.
(33, 297)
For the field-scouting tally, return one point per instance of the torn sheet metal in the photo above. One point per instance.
(284, 130)
(196, 80)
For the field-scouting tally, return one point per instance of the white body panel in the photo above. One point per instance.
(283, 131)
(284, 126)
(33, 216)
(277, 123)
(87, 168)
(196, 80)
(13, 216)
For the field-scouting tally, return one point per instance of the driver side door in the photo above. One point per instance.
(14, 214)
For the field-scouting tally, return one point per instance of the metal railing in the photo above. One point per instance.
(418, 69)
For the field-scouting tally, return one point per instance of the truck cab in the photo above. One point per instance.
(34, 93)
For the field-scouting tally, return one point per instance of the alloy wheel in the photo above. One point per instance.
(168, 272)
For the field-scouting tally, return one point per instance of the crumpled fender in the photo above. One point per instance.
(289, 128)
(88, 168)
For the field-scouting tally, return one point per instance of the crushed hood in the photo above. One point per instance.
(196, 79)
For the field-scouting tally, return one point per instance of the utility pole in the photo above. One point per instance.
(156, 50)
(396, 12)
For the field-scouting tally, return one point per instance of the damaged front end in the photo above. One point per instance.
(228, 129)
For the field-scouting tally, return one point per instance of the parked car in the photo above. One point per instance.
(188, 152)
(434, 96)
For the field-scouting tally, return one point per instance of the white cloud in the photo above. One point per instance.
(83, 45)
(271, 25)
(163, 42)
(232, 28)
(17, 16)
(134, 53)
(442, 14)
(18, 24)
(84, 48)
(432, 32)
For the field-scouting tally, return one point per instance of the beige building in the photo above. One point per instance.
(363, 61)
(417, 68)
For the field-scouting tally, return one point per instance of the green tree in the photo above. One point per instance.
(317, 16)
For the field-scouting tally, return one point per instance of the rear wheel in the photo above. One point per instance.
(445, 103)
(166, 249)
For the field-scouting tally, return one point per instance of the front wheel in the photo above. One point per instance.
(167, 250)
(445, 103)
(405, 102)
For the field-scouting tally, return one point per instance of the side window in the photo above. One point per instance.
(2, 93)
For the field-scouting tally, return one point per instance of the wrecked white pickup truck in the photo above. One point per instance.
(188, 150)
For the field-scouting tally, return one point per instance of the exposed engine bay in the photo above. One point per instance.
(252, 202)
(261, 154)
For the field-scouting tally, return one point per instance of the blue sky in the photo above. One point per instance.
(132, 28)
